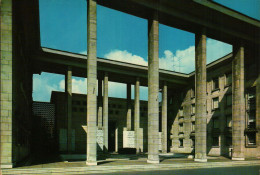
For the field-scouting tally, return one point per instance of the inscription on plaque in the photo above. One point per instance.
(128, 139)
(99, 140)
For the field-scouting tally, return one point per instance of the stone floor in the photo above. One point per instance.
(120, 163)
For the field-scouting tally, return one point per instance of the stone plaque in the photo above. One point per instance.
(128, 139)
(99, 139)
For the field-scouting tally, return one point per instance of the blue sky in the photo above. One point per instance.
(120, 37)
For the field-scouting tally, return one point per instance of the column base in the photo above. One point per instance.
(5, 166)
(153, 161)
(200, 160)
(91, 163)
(238, 158)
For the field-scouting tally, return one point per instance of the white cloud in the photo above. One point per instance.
(83, 52)
(180, 61)
(79, 85)
(42, 87)
(125, 56)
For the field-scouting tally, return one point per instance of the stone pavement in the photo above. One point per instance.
(127, 163)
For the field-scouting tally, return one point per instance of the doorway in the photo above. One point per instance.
(111, 136)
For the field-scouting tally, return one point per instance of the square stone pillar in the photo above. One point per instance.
(137, 115)
(6, 78)
(153, 89)
(129, 108)
(105, 113)
(99, 103)
(238, 103)
(200, 85)
(164, 118)
(68, 90)
(92, 83)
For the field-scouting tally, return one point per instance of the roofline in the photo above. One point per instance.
(216, 62)
(104, 60)
(228, 11)
(76, 55)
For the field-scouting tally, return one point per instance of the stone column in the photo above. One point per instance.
(137, 115)
(238, 103)
(164, 118)
(105, 113)
(6, 78)
(129, 108)
(99, 103)
(200, 85)
(91, 85)
(68, 90)
(153, 89)
(258, 107)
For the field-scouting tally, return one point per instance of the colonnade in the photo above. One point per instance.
(94, 116)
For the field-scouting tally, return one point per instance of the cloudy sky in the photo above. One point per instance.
(120, 37)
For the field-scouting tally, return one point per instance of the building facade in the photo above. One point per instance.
(202, 125)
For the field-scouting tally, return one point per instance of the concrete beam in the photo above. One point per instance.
(6, 83)
(238, 103)
(129, 108)
(68, 90)
(164, 118)
(200, 85)
(105, 113)
(91, 85)
(153, 89)
(137, 115)
(99, 103)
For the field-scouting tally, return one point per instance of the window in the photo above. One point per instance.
(215, 141)
(251, 108)
(251, 138)
(119, 106)
(181, 127)
(193, 110)
(229, 121)
(74, 109)
(81, 109)
(215, 123)
(228, 79)
(84, 103)
(117, 112)
(215, 103)
(78, 102)
(114, 105)
(111, 111)
(181, 112)
(192, 126)
(181, 142)
(228, 141)
(229, 100)
(215, 84)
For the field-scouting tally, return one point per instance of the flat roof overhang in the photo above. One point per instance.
(221, 23)
(54, 61)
